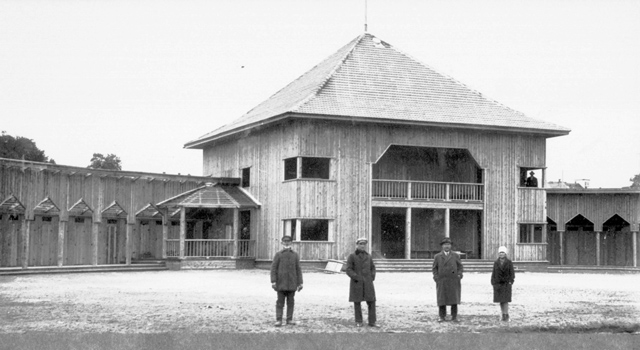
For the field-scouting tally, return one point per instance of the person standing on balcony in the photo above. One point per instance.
(447, 273)
(362, 271)
(286, 279)
(502, 278)
(532, 181)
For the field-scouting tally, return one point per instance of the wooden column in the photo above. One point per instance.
(165, 232)
(561, 233)
(409, 191)
(598, 248)
(447, 222)
(62, 228)
(26, 231)
(634, 237)
(235, 229)
(127, 243)
(183, 230)
(298, 230)
(407, 235)
(95, 230)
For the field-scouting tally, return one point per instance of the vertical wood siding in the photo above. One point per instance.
(354, 147)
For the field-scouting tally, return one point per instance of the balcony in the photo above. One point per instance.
(427, 191)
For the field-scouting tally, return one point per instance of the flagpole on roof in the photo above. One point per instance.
(365, 16)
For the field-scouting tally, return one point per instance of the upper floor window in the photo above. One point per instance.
(246, 177)
(309, 168)
(531, 233)
(530, 177)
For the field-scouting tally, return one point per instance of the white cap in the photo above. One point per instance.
(503, 249)
(362, 239)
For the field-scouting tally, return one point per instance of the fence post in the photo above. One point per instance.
(409, 190)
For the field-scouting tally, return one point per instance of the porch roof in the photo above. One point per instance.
(212, 195)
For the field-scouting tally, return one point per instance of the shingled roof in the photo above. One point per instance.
(370, 80)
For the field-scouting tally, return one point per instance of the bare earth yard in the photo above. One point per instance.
(242, 301)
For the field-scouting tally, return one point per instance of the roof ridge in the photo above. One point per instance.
(330, 75)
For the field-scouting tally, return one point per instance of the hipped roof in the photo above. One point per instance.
(370, 80)
(212, 196)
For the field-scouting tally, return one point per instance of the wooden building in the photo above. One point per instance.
(593, 227)
(372, 143)
(62, 216)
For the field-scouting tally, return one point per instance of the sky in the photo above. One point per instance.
(140, 78)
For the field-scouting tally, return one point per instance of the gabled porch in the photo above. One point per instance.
(215, 223)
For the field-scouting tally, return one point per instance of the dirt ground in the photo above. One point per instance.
(242, 301)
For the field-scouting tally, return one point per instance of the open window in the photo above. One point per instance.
(246, 177)
(531, 177)
(309, 168)
(301, 230)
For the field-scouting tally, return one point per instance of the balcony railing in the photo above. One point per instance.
(428, 190)
(211, 248)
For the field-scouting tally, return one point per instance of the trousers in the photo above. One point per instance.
(289, 296)
(443, 311)
(371, 305)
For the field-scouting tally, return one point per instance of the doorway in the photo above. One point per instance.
(392, 235)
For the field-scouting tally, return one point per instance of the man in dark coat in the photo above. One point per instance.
(362, 271)
(447, 273)
(286, 279)
(532, 181)
(502, 278)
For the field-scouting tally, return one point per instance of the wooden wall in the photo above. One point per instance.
(32, 182)
(354, 147)
(597, 207)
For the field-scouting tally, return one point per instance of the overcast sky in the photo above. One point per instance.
(141, 78)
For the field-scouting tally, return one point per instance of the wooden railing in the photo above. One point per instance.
(429, 190)
(211, 248)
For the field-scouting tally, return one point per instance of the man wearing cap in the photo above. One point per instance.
(447, 273)
(532, 181)
(286, 279)
(362, 271)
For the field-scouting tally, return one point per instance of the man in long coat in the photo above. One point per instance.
(447, 273)
(362, 271)
(286, 279)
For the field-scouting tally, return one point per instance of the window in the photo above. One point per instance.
(531, 233)
(310, 229)
(79, 220)
(246, 177)
(112, 221)
(310, 168)
(315, 168)
(530, 177)
(46, 219)
(290, 168)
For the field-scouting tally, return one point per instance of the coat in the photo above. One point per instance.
(285, 271)
(447, 273)
(502, 278)
(362, 271)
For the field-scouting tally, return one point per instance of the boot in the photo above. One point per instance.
(506, 317)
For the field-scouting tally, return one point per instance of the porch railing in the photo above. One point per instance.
(429, 190)
(211, 248)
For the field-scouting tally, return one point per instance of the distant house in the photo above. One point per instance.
(371, 142)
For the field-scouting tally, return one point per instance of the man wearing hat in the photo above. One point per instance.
(531, 180)
(286, 279)
(447, 273)
(362, 271)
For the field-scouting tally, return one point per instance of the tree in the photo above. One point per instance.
(636, 182)
(110, 162)
(21, 148)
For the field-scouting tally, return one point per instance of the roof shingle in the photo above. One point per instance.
(371, 80)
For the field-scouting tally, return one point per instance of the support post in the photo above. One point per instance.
(447, 222)
(409, 190)
(635, 248)
(165, 232)
(26, 228)
(407, 235)
(235, 228)
(183, 230)
(127, 243)
(561, 233)
(95, 230)
(62, 228)
(598, 248)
